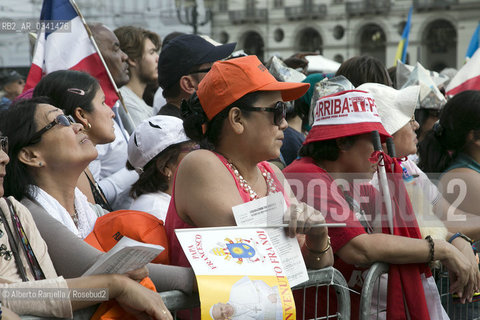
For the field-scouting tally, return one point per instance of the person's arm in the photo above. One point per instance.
(314, 242)
(72, 256)
(365, 250)
(460, 187)
(457, 220)
(117, 185)
(132, 296)
(8, 314)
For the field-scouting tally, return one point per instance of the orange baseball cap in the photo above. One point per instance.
(228, 81)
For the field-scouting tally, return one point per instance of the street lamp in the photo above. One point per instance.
(187, 13)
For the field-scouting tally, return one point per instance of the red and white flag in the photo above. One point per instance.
(61, 48)
(467, 78)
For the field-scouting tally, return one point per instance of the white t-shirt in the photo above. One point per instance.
(137, 108)
(158, 101)
(154, 203)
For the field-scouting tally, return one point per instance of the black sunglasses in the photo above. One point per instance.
(4, 144)
(279, 111)
(62, 119)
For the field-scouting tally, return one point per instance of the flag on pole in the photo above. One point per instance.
(474, 44)
(403, 44)
(61, 48)
(467, 78)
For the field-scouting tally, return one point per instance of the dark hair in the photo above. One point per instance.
(132, 40)
(68, 90)
(195, 119)
(460, 115)
(363, 69)
(173, 91)
(152, 178)
(171, 36)
(19, 125)
(327, 149)
(392, 73)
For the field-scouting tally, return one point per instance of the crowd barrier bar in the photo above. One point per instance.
(455, 311)
(176, 300)
(374, 273)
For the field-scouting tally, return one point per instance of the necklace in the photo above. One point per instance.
(75, 216)
(271, 187)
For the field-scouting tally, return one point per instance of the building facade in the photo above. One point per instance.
(156, 15)
(339, 29)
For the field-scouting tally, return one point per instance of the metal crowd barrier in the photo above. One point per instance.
(455, 310)
(177, 300)
(371, 280)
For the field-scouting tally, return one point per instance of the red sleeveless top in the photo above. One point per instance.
(173, 221)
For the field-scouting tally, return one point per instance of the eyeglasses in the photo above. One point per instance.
(4, 143)
(279, 111)
(62, 119)
(199, 71)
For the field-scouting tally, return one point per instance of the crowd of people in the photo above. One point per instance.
(219, 127)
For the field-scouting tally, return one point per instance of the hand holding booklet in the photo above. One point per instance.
(126, 255)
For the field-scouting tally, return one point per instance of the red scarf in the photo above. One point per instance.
(406, 297)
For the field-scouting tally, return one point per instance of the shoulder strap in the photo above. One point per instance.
(98, 194)
(27, 248)
(13, 247)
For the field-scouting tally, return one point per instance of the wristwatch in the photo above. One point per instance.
(461, 235)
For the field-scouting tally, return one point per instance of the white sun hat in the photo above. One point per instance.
(152, 136)
(395, 107)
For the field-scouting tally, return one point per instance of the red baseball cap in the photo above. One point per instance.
(343, 114)
(228, 81)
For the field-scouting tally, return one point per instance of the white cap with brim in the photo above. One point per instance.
(395, 107)
(152, 136)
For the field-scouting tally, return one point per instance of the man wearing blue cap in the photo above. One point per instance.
(182, 64)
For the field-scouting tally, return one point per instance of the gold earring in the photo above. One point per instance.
(88, 127)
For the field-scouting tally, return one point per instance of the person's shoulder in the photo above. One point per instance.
(304, 164)
(200, 159)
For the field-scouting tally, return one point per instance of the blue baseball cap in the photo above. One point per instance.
(183, 53)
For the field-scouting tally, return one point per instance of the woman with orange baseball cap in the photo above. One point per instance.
(238, 116)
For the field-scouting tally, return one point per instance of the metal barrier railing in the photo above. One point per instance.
(455, 310)
(371, 280)
(176, 300)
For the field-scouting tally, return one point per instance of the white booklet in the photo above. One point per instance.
(268, 211)
(126, 255)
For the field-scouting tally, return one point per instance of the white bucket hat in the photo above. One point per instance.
(395, 107)
(152, 136)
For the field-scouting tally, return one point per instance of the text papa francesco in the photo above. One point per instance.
(283, 286)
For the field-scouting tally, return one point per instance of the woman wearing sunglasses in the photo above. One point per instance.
(48, 153)
(79, 95)
(34, 273)
(239, 115)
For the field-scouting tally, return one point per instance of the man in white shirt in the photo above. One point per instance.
(141, 47)
(109, 168)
